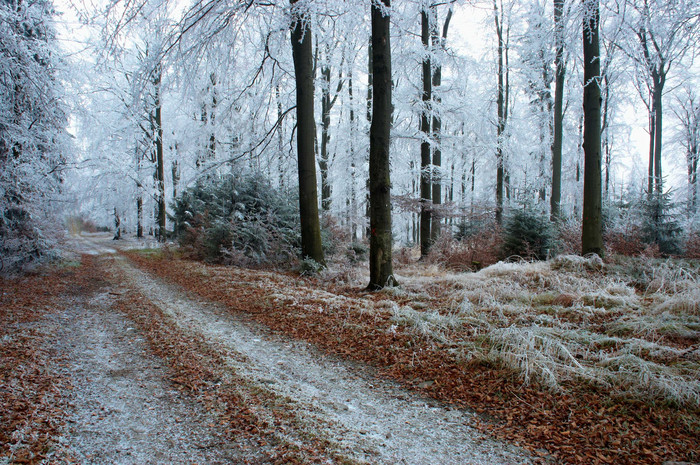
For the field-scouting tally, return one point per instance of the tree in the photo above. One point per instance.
(158, 150)
(592, 228)
(501, 104)
(32, 132)
(311, 245)
(381, 273)
(687, 111)
(425, 161)
(560, 75)
(328, 101)
(665, 31)
(438, 43)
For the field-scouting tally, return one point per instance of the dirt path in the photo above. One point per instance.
(125, 409)
(362, 417)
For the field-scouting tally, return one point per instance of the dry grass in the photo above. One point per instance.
(632, 328)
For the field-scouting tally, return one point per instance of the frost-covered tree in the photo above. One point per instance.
(662, 33)
(32, 131)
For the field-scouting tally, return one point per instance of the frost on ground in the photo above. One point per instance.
(124, 409)
(572, 319)
(362, 417)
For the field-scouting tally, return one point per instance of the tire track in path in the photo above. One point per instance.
(124, 408)
(368, 419)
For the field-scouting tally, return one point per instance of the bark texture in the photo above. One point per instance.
(592, 231)
(302, 53)
(425, 161)
(555, 200)
(381, 272)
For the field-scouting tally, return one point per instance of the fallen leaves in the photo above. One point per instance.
(31, 401)
(581, 424)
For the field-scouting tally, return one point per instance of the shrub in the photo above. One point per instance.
(334, 236)
(357, 251)
(569, 236)
(309, 267)
(472, 253)
(238, 220)
(660, 225)
(692, 245)
(528, 234)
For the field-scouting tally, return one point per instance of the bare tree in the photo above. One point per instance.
(560, 75)
(665, 32)
(502, 32)
(687, 110)
(381, 272)
(311, 246)
(592, 229)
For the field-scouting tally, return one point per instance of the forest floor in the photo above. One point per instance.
(125, 355)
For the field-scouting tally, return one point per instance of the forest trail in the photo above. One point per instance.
(357, 415)
(125, 409)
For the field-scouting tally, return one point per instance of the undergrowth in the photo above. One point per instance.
(631, 327)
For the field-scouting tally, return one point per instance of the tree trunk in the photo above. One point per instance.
(117, 226)
(425, 162)
(555, 200)
(652, 138)
(175, 173)
(353, 161)
(592, 231)
(212, 119)
(658, 121)
(606, 136)
(500, 124)
(370, 87)
(160, 170)
(381, 273)
(311, 246)
(438, 44)
(139, 216)
(280, 141)
(139, 197)
(323, 162)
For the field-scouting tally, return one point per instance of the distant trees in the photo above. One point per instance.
(664, 32)
(33, 140)
(687, 111)
(225, 107)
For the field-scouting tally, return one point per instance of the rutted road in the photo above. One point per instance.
(365, 418)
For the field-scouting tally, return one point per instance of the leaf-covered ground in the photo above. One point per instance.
(418, 335)
(573, 362)
(32, 404)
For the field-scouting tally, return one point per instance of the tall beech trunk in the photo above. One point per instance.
(381, 273)
(323, 159)
(160, 170)
(592, 230)
(353, 161)
(555, 200)
(438, 44)
(658, 120)
(502, 114)
(327, 104)
(302, 55)
(425, 161)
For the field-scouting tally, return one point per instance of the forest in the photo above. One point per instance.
(492, 204)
